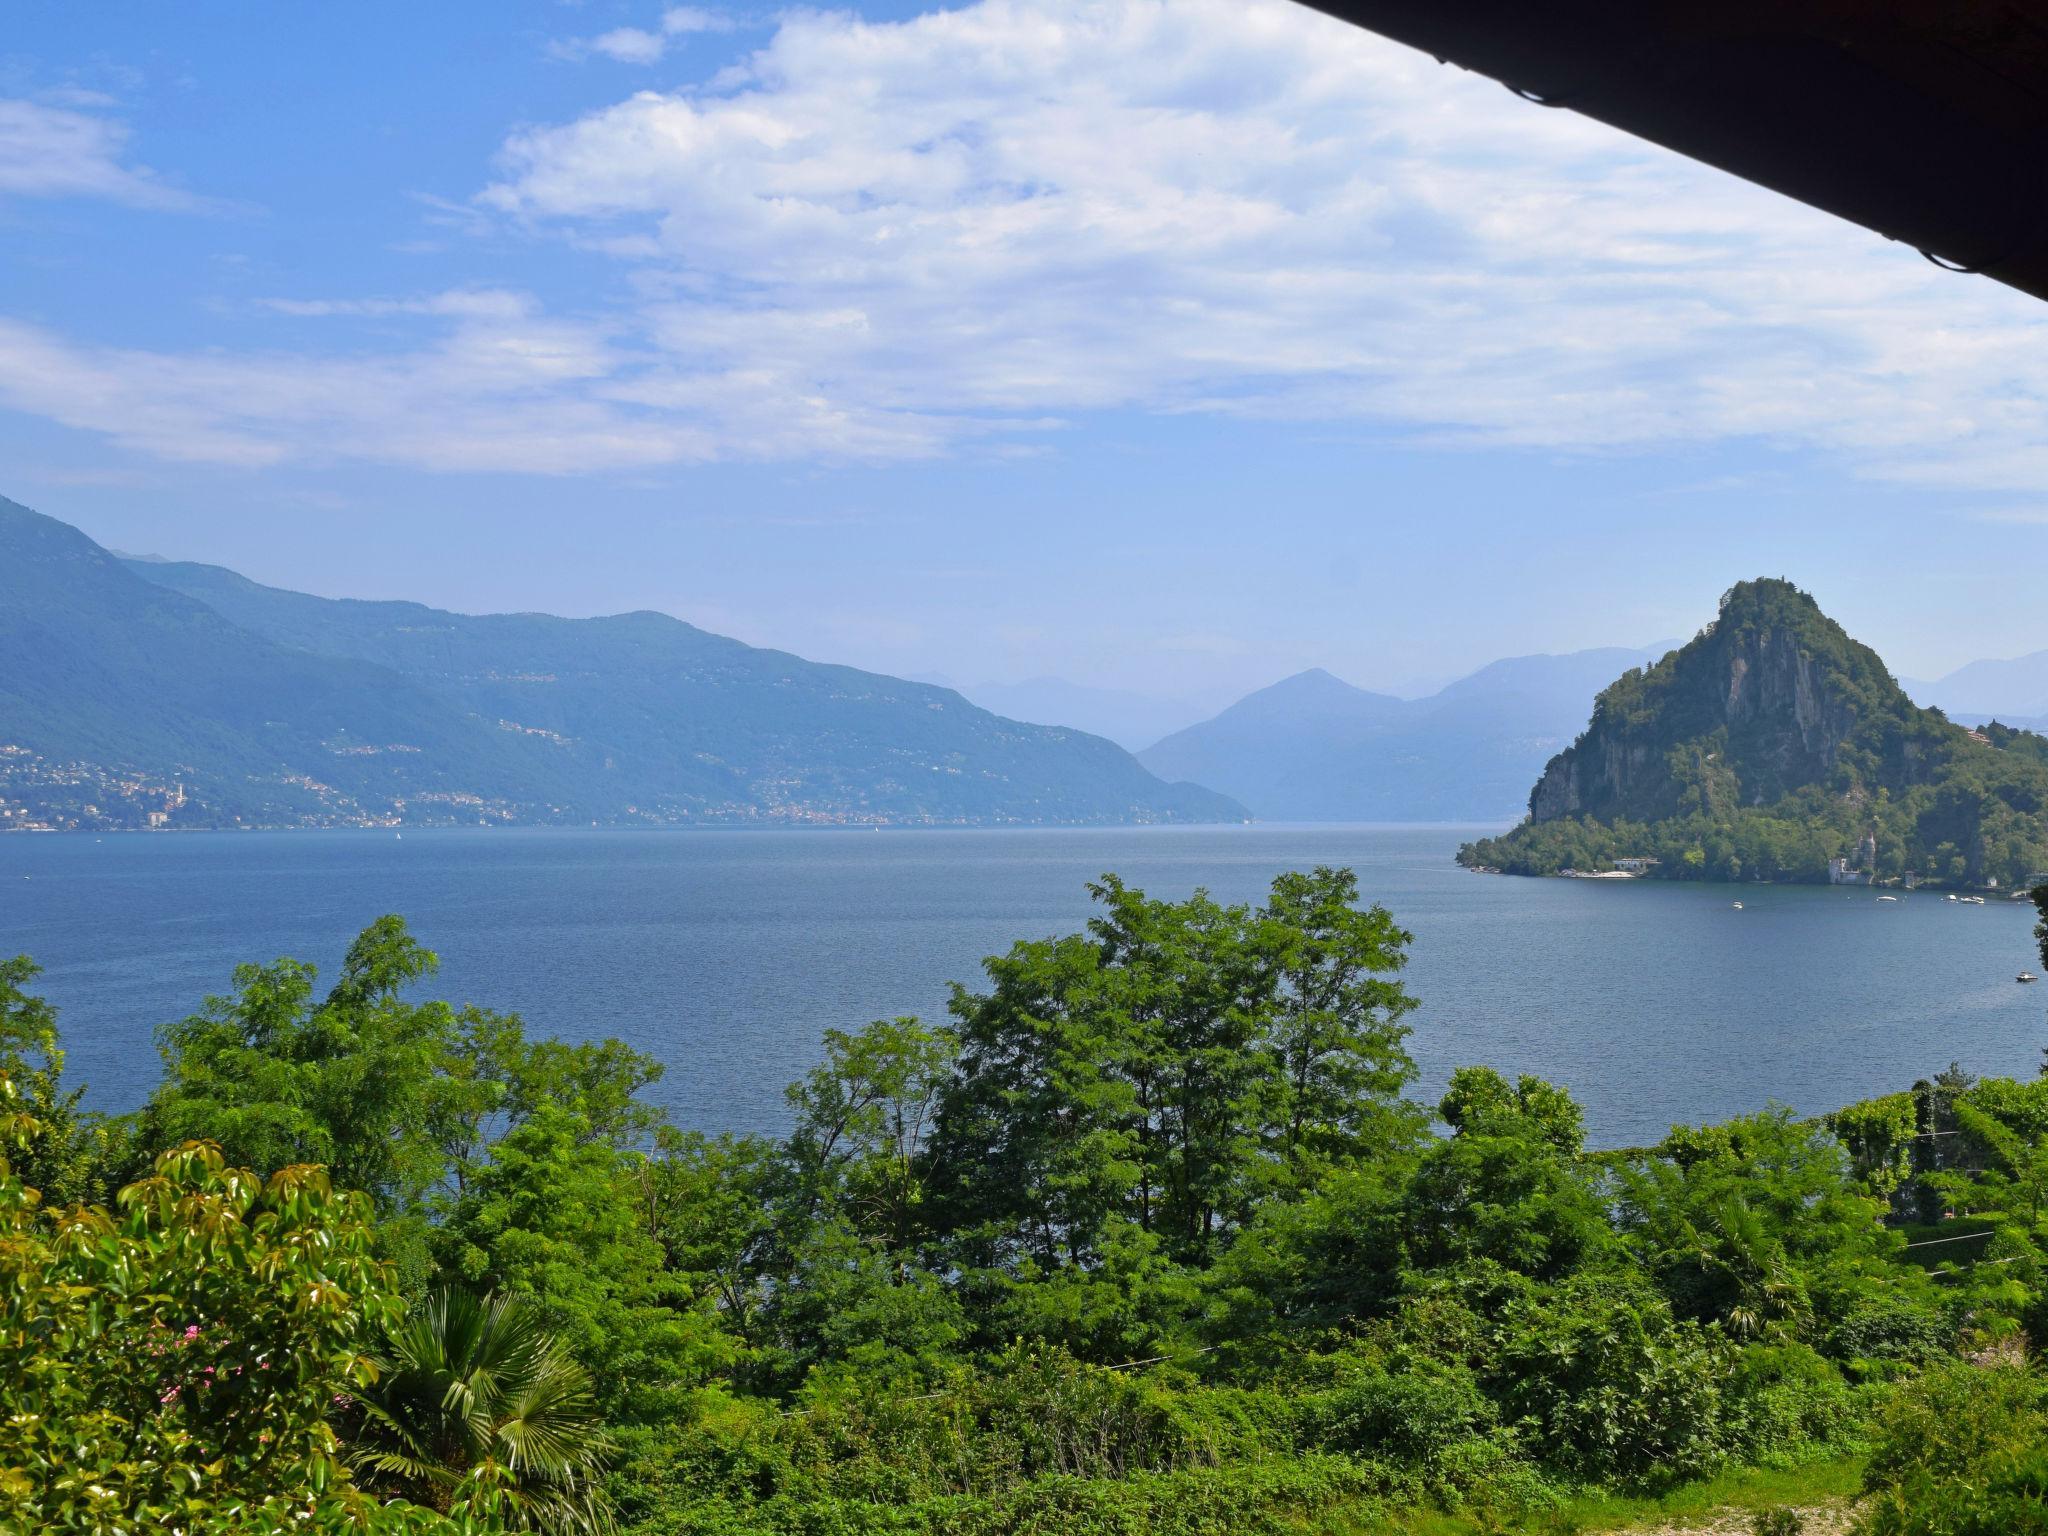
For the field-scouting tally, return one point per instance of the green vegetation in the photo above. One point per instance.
(1146, 1238)
(1769, 745)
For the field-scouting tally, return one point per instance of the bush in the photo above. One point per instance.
(1611, 1388)
(174, 1366)
(1271, 1498)
(1412, 1419)
(1784, 1405)
(1892, 1328)
(1963, 1451)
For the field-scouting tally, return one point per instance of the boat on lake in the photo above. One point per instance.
(2026, 976)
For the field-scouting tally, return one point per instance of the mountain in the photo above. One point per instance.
(140, 690)
(1314, 748)
(1771, 744)
(1130, 719)
(1983, 690)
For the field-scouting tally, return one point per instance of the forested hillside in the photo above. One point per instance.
(1145, 1239)
(147, 692)
(1767, 746)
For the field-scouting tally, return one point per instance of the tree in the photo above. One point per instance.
(61, 1159)
(863, 1123)
(172, 1365)
(1480, 1102)
(1337, 1030)
(2039, 896)
(472, 1392)
(1507, 1188)
(557, 1215)
(1170, 1069)
(349, 1082)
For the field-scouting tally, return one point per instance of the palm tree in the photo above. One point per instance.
(474, 1395)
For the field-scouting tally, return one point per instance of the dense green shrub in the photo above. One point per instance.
(1963, 1451)
(1609, 1386)
(1785, 1404)
(175, 1364)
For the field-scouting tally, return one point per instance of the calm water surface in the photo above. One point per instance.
(726, 953)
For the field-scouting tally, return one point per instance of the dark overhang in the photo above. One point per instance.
(1925, 120)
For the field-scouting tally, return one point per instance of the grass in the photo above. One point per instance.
(1740, 1491)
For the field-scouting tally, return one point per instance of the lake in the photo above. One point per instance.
(726, 953)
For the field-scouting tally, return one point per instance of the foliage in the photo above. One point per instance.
(1145, 1238)
(1962, 1452)
(472, 1390)
(174, 1364)
(354, 1082)
(59, 1152)
(1170, 1070)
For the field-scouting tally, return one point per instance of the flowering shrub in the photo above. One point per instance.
(172, 1366)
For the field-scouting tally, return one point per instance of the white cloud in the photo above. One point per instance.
(456, 303)
(66, 151)
(640, 45)
(881, 240)
(500, 388)
(1028, 206)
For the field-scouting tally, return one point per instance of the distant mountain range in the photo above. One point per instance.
(153, 692)
(2014, 692)
(1314, 748)
(1770, 745)
(1132, 720)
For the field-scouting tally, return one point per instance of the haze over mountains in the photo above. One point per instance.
(1131, 719)
(2013, 691)
(1314, 748)
(152, 692)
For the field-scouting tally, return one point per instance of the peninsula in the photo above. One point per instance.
(1774, 747)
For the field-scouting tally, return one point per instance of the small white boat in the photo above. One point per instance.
(1887, 898)
(2026, 976)
(1738, 906)
(1975, 901)
(1951, 895)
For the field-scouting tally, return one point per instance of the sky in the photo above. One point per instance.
(1163, 345)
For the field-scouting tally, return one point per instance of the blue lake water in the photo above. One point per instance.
(726, 954)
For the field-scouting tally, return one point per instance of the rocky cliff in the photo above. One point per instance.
(1770, 698)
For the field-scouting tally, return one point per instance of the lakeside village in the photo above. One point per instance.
(1842, 870)
(39, 794)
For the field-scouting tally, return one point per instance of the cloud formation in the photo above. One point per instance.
(640, 45)
(64, 150)
(883, 240)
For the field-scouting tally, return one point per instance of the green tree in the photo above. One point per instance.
(1170, 1069)
(350, 1082)
(64, 1156)
(472, 1392)
(864, 1120)
(1337, 1029)
(558, 1215)
(173, 1365)
(1479, 1102)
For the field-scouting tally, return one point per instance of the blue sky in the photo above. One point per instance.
(1171, 345)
